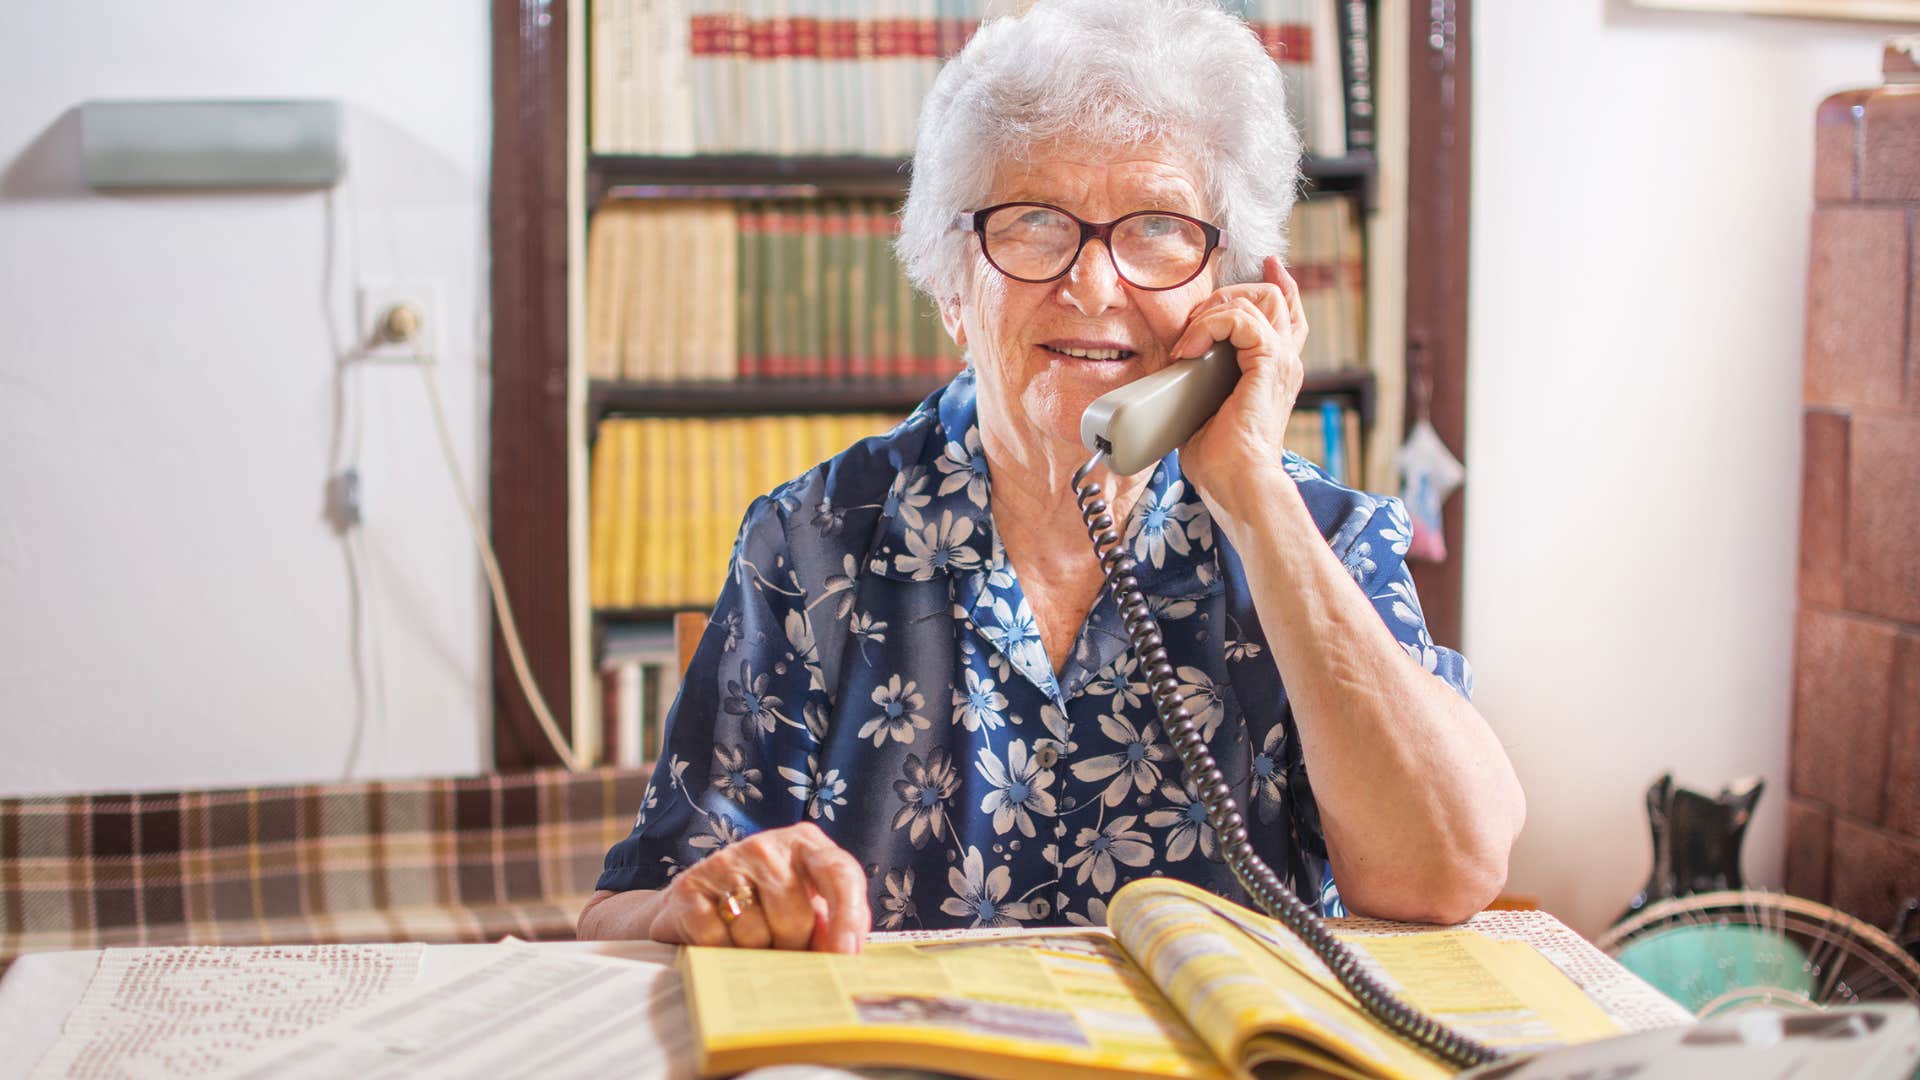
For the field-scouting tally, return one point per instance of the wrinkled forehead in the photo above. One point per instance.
(1101, 182)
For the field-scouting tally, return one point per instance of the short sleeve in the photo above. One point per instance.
(1377, 560)
(742, 712)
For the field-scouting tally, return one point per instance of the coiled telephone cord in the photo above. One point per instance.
(1223, 810)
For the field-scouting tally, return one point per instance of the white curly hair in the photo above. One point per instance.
(1180, 74)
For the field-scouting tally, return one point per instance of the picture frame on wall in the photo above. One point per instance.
(1898, 11)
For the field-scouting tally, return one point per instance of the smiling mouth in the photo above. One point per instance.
(1110, 356)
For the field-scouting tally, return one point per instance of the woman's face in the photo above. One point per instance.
(1030, 343)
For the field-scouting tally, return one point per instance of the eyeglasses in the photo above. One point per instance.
(1036, 243)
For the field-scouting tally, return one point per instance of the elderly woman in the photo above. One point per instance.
(914, 705)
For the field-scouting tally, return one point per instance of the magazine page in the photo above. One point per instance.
(1069, 1000)
(1503, 993)
(1249, 1005)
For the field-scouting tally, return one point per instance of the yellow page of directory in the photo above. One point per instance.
(1502, 993)
(1069, 1000)
(1246, 1002)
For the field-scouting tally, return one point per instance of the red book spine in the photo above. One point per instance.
(1286, 42)
(710, 35)
(837, 38)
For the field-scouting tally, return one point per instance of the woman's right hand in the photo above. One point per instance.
(805, 892)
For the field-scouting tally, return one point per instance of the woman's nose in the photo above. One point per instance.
(1092, 284)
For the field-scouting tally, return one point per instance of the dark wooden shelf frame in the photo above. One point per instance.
(762, 176)
(730, 397)
(528, 297)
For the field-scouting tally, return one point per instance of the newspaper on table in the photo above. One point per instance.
(529, 1012)
(187, 1012)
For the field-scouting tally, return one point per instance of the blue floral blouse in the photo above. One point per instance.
(873, 666)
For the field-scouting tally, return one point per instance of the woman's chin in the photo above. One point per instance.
(1063, 392)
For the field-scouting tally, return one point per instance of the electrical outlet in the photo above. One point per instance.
(376, 300)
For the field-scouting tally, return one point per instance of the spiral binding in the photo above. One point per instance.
(1223, 810)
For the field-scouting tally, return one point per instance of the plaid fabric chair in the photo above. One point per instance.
(437, 860)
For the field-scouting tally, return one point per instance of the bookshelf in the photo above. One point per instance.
(546, 410)
(838, 175)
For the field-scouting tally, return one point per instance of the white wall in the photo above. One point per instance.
(1641, 197)
(174, 609)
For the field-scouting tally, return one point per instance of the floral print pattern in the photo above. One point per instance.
(874, 666)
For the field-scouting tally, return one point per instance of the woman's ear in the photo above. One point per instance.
(951, 318)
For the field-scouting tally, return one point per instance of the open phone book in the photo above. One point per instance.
(1179, 984)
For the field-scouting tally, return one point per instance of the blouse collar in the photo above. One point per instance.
(937, 520)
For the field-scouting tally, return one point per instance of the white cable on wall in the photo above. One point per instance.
(406, 331)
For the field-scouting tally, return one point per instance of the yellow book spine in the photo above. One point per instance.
(623, 561)
(793, 446)
(656, 468)
(600, 296)
(698, 476)
(601, 506)
(765, 436)
(740, 491)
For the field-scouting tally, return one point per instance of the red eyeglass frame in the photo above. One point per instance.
(975, 221)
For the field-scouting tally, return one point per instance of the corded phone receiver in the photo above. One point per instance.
(1130, 429)
(1140, 422)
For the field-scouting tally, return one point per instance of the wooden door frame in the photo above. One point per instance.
(1439, 173)
(527, 481)
(527, 227)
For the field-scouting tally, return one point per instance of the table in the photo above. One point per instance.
(41, 989)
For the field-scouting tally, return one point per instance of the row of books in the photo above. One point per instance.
(759, 290)
(667, 493)
(666, 496)
(1327, 433)
(683, 77)
(639, 678)
(754, 290)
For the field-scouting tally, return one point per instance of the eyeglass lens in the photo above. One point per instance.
(1152, 251)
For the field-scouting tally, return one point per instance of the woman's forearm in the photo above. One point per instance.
(619, 916)
(1418, 800)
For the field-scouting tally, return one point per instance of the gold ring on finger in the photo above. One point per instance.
(735, 901)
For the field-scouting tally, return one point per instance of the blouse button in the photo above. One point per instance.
(1048, 757)
(1040, 908)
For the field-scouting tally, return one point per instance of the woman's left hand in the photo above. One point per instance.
(1237, 453)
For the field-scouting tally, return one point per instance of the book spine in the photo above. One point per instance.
(752, 339)
(601, 506)
(807, 280)
(1356, 448)
(693, 526)
(730, 137)
(1329, 94)
(859, 265)
(1307, 261)
(658, 466)
(757, 104)
(783, 317)
(726, 227)
(1333, 439)
(707, 43)
(1356, 71)
(603, 58)
(676, 64)
(905, 300)
(627, 550)
(833, 279)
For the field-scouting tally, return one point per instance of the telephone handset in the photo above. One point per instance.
(1129, 429)
(1137, 424)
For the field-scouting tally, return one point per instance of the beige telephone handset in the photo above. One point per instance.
(1128, 430)
(1137, 424)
